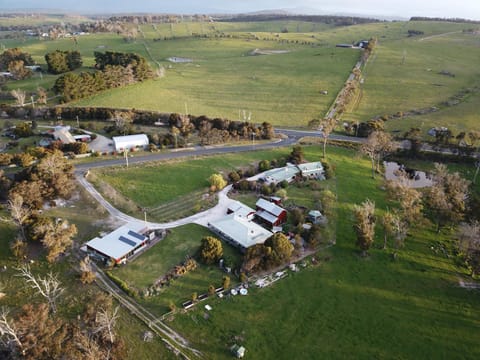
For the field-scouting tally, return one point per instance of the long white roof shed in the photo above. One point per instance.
(119, 243)
(130, 141)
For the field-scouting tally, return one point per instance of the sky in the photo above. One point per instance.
(469, 9)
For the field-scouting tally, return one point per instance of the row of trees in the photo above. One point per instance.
(60, 62)
(115, 70)
(445, 202)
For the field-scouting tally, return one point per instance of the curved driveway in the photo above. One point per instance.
(202, 218)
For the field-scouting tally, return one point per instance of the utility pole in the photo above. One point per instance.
(125, 153)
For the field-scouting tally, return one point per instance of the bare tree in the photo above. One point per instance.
(105, 323)
(400, 229)
(41, 96)
(446, 197)
(8, 332)
(87, 275)
(409, 199)
(364, 225)
(19, 96)
(48, 287)
(19, 213)
(469, 245)
(387, 221)
(326, 126)
(378, 144)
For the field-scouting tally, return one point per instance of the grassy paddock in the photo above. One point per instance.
(157, 261)
(351, 305)
(157, 183)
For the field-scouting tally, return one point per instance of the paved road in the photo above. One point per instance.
(197, 151)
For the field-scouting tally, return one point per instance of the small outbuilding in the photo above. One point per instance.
(312, 170)
(315, 216)
(128, 142)
(238, 351)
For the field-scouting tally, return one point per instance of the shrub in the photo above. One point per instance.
(122, 284)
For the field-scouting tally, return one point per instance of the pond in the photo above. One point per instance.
(418, 179)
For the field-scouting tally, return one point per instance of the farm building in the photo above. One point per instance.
(239, 231)
(120, 244)
(122, 143)
(270, 213)
(313, 170)
(240, 209)
(278, 175)
(315, 216)
(62, 133)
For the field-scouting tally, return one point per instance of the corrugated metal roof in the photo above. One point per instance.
(270, 207)
(280, 174)
(267, 216)
(129, 141)
(120, 242)
(244, 232)
(240, 209)
(311, 167)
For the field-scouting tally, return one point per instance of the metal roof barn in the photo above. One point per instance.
(122, 143)
(120, 243)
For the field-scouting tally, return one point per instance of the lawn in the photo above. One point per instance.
(157, 261)
(350, 305)
(155, 183)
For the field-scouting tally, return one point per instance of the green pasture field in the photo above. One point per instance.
(404, 75)
(284, 88)
(158, 182)
(350, 306)
(223, 79)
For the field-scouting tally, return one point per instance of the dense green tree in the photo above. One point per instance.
(18, 70)
(60, 62)
(14, 54)
(211, 250)
(297, 155)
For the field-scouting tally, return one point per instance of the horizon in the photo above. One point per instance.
(467, 9)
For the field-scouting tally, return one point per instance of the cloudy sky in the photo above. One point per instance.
(399, 8)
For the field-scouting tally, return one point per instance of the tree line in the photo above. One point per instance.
(114, 70)
(449, 201)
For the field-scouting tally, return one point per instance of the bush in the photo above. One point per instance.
(329, 170)
(122, 284)
(211, 250)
